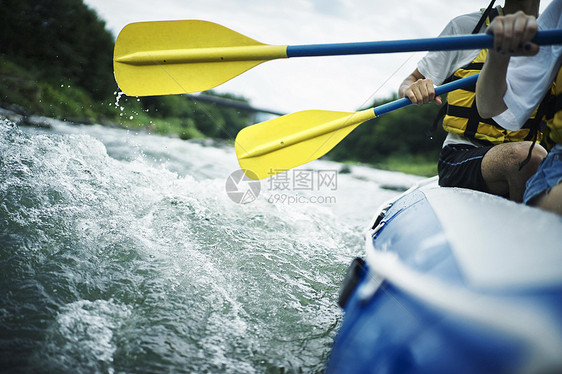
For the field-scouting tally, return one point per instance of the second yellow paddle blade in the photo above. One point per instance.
(177, 57)
(286, 142)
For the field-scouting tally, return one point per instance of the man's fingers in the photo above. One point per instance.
(507, 35)
(430, 90)
(496, 28)
(513, 34)
(419, 96)
(412, 96)
(529, 33)
(424, 93)
(421, 92)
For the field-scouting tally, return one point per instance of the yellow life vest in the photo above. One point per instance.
(462, 116)
(553, 132)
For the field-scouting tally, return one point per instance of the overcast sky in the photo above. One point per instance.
(343, 83)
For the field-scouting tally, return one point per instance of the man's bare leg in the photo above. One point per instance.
(500, 168)
(551, 201)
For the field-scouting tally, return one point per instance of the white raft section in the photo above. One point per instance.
(501, 247)
(499, 243)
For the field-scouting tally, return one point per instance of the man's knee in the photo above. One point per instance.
(537, 155)
(501, 167)
(514, 155)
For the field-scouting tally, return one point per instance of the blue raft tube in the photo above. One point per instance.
(454, 281)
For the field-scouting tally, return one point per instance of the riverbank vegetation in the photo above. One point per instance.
(56, 61)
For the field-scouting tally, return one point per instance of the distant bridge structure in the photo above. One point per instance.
(233, 104)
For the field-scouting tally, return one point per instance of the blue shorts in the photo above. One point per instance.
(547, 176)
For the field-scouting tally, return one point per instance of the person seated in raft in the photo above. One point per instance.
(477, 153)
(510, 87)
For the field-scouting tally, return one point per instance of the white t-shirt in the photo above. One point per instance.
(529, 78)
(440, 65)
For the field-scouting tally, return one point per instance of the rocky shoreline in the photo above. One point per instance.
(22, 117)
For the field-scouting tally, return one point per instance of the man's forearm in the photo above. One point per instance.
(491, 85)
(405, 85)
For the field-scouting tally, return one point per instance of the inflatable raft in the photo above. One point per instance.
(454, 281)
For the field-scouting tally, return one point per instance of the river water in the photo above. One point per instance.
(122, 252)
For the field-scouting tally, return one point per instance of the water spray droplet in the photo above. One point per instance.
(118, 97)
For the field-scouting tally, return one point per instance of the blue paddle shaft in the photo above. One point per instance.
(445, 43)
(401, 103)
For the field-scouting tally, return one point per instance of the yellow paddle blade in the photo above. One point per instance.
(286, 142)
(177, 57)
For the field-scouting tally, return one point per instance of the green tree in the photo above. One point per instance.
(63, 40)
(402, 132)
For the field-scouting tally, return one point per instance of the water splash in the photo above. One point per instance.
(83, 332)
(118, 97)
(127, 248)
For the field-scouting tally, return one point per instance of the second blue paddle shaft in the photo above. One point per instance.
(440, 90)
(445, 43)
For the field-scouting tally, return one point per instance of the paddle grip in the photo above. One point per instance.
(448, 87)
(444, 43)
